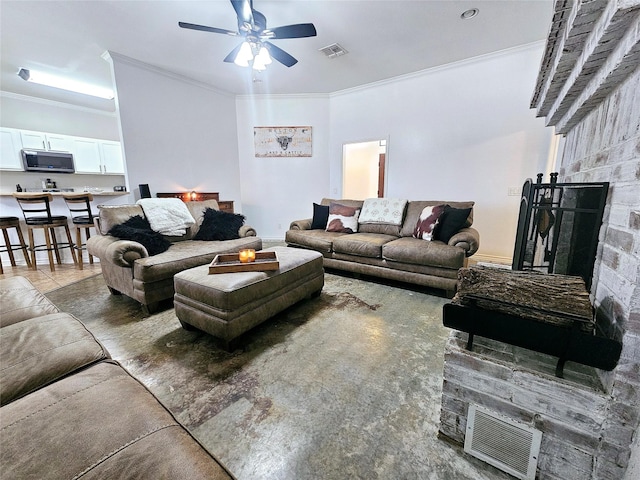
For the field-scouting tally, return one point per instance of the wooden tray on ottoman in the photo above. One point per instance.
(229, 263)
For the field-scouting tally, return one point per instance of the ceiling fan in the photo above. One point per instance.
(256, 47)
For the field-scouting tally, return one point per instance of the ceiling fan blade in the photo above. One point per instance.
(280, 55)
(203, 28)
(244, 11)
(299, 30)
(233, 54)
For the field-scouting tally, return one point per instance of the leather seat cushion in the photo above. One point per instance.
(99, 423)
(422, 252)
(41, 350)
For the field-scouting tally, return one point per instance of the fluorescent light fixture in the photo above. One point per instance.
(65, 84)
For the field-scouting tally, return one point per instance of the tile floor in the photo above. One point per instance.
(46, 280)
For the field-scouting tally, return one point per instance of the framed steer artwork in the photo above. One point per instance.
(282, 141)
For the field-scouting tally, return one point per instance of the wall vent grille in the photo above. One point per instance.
(334, 50)
(508, 445)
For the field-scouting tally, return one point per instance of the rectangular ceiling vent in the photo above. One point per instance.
(334, 50)
(508, 445)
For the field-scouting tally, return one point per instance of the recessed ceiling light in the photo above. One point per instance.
(64, 84)
(467, 14)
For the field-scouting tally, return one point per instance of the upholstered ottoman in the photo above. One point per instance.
(226, 305)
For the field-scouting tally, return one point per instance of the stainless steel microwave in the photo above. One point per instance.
(44, 161)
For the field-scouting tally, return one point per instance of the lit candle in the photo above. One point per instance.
(248, 255)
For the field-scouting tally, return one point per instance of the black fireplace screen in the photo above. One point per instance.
(558, 227)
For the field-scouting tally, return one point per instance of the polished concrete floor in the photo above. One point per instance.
(343, 386)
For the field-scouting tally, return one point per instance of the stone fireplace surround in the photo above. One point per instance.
(589, 89)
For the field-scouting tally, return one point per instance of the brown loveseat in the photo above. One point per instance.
(129, 269)
(69, 411)
(390, 251)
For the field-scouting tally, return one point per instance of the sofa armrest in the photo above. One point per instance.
(468, 239)
(301, 224)
(113, 250)
(246, 231)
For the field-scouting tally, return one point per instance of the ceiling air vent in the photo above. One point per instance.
(334, 50)
(502, 442)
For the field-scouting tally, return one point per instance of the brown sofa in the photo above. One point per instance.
(128, 269)
(69, 411)
(391, 251)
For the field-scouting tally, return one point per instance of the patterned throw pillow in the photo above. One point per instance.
(383, 210)
(342, 218)
(427, 222)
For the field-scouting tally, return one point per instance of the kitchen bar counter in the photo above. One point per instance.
(106, 193)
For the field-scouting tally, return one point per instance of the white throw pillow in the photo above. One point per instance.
(383, 210)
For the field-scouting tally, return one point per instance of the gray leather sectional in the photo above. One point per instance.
(70, 411)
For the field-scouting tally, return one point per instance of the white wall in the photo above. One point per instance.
(278, 190)
(459, 132)
(177, 134)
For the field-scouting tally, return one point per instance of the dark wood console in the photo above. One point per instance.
(225, 205)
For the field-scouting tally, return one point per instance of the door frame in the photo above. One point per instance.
(382, 174)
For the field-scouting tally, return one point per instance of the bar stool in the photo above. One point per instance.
(33, 206)
(79, 205)
(5, 224)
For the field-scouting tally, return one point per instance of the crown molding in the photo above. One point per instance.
(54, 103)
(448, 66)
(110, 56)
(284, 96)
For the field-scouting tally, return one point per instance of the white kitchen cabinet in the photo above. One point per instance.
(86, 155)
(98, 156)
(10, 146)
(46, 141)
(112, 160)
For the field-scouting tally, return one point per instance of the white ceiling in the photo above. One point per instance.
(384, 38)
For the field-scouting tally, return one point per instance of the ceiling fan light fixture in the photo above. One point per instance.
(263, 56)
(65, 84)
(245, 55)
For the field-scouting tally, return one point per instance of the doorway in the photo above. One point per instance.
(364, 167)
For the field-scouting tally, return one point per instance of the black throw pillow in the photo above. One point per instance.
(452, 220)
(218, 225)
(138, 229)
(320, 216)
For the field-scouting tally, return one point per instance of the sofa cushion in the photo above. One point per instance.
(427, 222)
(414, 209)
(19, 300)
(362, 244)
(112, 215)
(383, 210)
(320, 217)
(99, 423)
(342, 218)
(41, 350)
(318, 240)
(416, 251)
(451, 221)
(187, 254)
(138, 230)
(218, 225)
